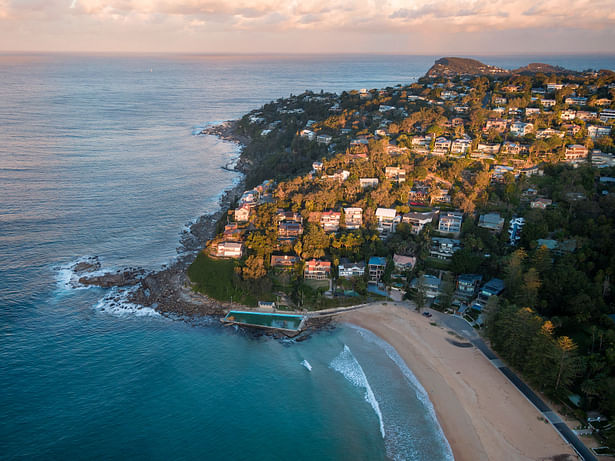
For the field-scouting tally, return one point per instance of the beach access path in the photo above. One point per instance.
(482, 413)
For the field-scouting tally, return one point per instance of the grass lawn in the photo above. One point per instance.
(215, 278)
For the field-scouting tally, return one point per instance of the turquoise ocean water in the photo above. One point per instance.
(98, 157)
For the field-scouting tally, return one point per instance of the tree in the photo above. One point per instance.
(566, 362)
(419, 296)
(254, 268)
(531, 284)
(447, 290)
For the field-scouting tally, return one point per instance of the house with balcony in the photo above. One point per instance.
(442, 146)
(368, 183)
(353, 218)
(242, 214)
(289, 230)
(284, 262)
(376, 266)
(315, 269)
(450, 222)
(347, 269)
(387, 221)
(467, 285)
(521, 128)
(330, 221)
(418, 220)
(575, 152)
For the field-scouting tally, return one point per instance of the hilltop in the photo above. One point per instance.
(451, 66)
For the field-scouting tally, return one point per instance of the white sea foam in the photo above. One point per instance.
(420, 391)
(307, 365)
(66, 277)
(346, 364)
(116, 303)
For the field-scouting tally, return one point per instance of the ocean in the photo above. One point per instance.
(99, 157)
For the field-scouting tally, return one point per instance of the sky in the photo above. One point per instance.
(309, 26)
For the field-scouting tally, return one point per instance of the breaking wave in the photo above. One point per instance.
(346, 364)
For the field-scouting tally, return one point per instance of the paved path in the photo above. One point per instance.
(463, 328)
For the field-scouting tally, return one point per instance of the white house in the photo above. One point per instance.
(387, 220)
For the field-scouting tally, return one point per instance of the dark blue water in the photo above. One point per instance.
(98, 157)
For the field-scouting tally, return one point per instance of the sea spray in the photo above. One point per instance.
(414, 383)
(346, 364)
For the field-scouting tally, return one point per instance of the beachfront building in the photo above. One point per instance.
(493, 287)
(284, 261)
(347, 269)
(353, 218)
(229, 250)
(467, 285)
(418, 220)
(376, 266)
(491, 221)
(387, 221)
(429, 284)
(395, 174)
(444, 248)
(315, 269)
(450, 222)
(330, 221)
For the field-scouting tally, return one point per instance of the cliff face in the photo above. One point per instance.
(451, 66)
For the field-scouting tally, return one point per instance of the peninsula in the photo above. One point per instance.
(476, 191)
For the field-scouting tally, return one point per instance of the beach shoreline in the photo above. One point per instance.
(481, 413)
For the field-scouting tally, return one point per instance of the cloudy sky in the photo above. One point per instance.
(309, 26)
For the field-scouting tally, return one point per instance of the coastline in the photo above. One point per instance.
(481, 413)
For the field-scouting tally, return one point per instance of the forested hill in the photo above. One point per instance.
(452, 66)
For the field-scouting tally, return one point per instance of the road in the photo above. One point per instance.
(463, 328)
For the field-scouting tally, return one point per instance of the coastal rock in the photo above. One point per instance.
(117, 279)
(89, 265)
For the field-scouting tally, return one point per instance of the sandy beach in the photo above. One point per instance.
(484, 417)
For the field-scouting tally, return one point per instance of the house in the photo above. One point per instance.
(529, 111)
(423, 141)
(488, 148)
(568, 114)
(521, 128)
(418, 221)
(284, 261)
(467, 285)
(554, 86)
(242, 214)
(324, 139)
(289, 230)
(229, 250)
(514, 230)
(339, 176)
(317, 166)
(576, 101)
(499, 172)
(347, 269)
(404, 263)
(572, 129)
(559, 248)
(367, 183)
(289, 216)
(353, 218)
(308, 134)
(596, 132)
(606, 115)
(461, 145)
(330, 221)
(267, 305)
(602, 160)
(387, 220)
(395, 174)
(575, 152)
(376, 266)
(541, 203)
(450, 222)
(443, 248)
(548, 102)
(385, 108)
(442, 145)
(429, 284)
(491, 221)
(549, 133)
(497, 124)
(315, 269)
(493, 287)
